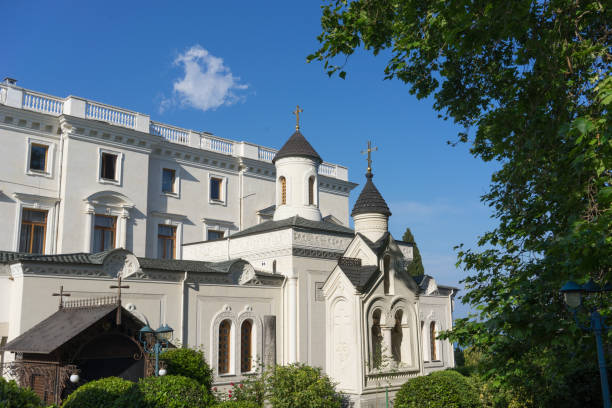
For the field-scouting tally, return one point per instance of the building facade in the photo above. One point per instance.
(290, 283)
(82, 176)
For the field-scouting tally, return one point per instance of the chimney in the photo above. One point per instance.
(10, 81)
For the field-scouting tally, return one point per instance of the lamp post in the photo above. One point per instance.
(572, 295)
(156, 342)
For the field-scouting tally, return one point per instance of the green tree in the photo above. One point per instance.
(416, 266)
(13, 396)
(529, 81)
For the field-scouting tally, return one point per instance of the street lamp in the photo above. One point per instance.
(572, 295)
(156, 342)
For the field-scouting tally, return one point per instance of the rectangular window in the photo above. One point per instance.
(108, 166)
(38, 157)
(168, 178)
(33, 231)
(214, 234)
(104, 233)
(166, 241)
(215, 188)
(2, 344)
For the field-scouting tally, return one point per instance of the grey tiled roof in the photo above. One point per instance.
(370, 200)
(359, 275)
(379, 246)
(75, 258)
(57, 329)
(297, 146)
(294, 222)
(184, 266)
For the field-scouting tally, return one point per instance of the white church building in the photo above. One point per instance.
(245, 251)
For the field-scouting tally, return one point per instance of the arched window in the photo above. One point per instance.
(396, 337)
(225, 329)
(376, 336)
(387, 283)
(432, 341)
(311, 182)
(283, 183)
(246, 336)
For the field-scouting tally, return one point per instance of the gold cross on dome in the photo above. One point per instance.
(296, 112)
(369, 151)
(61, 295)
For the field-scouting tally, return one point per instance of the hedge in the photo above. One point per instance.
(440, 389)
(101, 393)
(13, 396)
(238, 404)
(170, 391)
(188, 363)
(299, 385)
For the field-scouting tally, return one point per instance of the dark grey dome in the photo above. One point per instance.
(370, 200)
(297, 146)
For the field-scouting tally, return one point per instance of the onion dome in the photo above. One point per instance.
(370, 201)
(297, 146)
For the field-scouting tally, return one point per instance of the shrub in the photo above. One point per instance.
(441, 389)
(188, 363)
(101, 393)
(170, 391)
(237, 404)
(252, 389)
(299, 385)
(13, 396)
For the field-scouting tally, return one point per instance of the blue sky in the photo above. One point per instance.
(237, 69)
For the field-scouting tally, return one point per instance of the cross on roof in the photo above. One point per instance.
(61, 295)
(119, 286)
(369, 151)
(296, 112)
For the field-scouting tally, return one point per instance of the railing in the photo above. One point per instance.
(17, 97)
(327, 169)
(109, 114)
(42, 103)
(170, 133)
(92, 302)
(218, 145)
(265, 154)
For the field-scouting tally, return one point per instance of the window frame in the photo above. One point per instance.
(244, 349)
(118, 167)
(38, 203)
(176, 193)
(214, 230)
(95, 227)
(33, 224)
(49, 155)
(228, 350)
(223, 189)
(165, 238)
(283, 190)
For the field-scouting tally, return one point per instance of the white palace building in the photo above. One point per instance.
(245, 251)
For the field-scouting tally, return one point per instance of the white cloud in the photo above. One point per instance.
(207, 83)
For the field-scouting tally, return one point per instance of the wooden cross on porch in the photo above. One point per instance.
(119, 286)
(296, 112)
(369, 151)
(61, 295)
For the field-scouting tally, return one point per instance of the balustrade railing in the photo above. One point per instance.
(327, 169)
(109, 114)
(218, 145)
(265, 154)
(18, 97)
(42, 103)
(170, 133)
